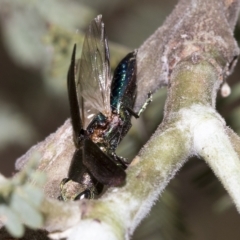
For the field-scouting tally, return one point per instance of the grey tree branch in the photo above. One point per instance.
(193, 27)
(192, 53)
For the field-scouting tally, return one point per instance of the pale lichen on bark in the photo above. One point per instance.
(192, 54)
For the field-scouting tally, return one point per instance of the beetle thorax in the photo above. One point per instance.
(102, 131)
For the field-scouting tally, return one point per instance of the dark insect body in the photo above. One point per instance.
(101, 110)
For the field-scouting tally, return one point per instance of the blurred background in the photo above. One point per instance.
(36, 40)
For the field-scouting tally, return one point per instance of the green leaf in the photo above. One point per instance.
(38, 177)
(27, 213)
(36, 195)
(11, 221)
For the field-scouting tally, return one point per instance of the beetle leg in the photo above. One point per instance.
(142, 109)
(63, 182)
(147, 102)
(121, 161)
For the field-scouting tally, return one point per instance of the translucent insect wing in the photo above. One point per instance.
(93, 72)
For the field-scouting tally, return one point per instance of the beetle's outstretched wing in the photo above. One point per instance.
(73, 99)
(93, 71)
(102, 167)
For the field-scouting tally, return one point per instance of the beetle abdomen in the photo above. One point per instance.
(124, 81)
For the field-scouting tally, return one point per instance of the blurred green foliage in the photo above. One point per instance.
(20, 200)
